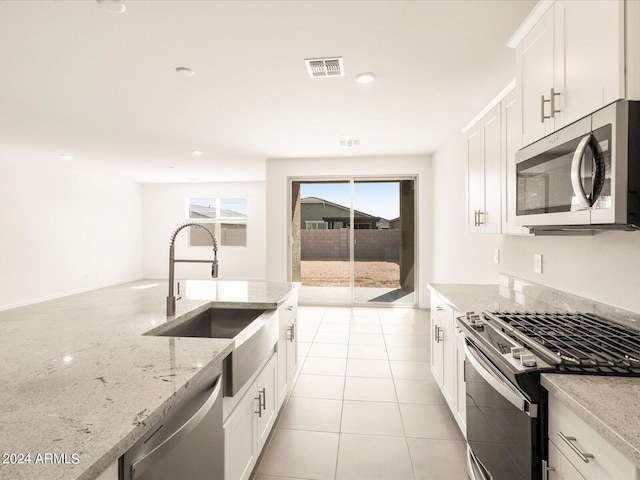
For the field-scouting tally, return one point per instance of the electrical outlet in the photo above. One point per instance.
(537, 263)
(496, 255)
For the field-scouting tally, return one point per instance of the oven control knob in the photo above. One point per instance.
(528, 360)
(517, 352)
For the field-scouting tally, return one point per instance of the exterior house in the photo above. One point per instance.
(320, 214)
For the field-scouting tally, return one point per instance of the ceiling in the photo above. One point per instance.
(102, 87)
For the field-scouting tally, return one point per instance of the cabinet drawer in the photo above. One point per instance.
(588, 452)
(559, 467)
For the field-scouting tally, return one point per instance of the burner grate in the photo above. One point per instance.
(576, 342)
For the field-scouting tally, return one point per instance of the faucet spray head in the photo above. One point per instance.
(214, 269)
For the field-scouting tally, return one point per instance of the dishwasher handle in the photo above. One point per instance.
(138, 468)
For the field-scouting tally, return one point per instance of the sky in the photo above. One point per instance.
(381, 199)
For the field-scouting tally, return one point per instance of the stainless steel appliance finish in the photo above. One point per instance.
(171, 298)
(506, 407)
(188, 443)
(585, 176)
(254, 333)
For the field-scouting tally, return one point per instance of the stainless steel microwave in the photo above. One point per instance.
(585, 176)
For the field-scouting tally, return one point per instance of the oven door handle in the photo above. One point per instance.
(503, 387)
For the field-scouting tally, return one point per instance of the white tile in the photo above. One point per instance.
(328, 350)
(412, 370)
(424, 392)
(300, 454)
(307, 327)
(308, 312)
(303, 349)
(365, 312)
(319, 386)
(369, 389)
(366, 328)
(371, 418)
(414, 354)
(366, 339)
(364, 321)
(406, 340)
(337, 315)
(314, 414)
(373, 352)
(370, 457)
(441, 459)
(331, 337)
(421, 329)
(429, 421)
(357, 367)
(334, 328)
(305, 337)
(324, 366)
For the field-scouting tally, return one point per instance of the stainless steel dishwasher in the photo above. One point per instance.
(187, 444)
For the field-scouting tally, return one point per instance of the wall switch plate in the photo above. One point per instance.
(496, 255)
(537, 263)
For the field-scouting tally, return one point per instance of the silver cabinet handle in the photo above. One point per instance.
(437, 331)
(546, 469)
(569, 441)
(263, 402)
(259, 398)
(291, 333)
(552, 99)
(480, 222)
(439, 309)
(543, 117)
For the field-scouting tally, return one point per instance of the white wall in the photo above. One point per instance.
(165, 208)
(457, 256)
(277, 194)
(65, 231)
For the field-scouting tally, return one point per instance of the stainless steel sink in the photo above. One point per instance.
(254, 333)
(215, 323)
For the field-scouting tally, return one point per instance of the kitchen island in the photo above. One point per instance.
(81, 380)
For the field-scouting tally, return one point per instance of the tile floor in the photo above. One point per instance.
(364, 406)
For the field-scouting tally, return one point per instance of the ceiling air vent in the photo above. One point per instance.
(324, 67)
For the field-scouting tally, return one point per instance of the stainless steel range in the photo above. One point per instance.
(505, 353)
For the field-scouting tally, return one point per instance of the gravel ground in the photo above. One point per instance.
(331, 273)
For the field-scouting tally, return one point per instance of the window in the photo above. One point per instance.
(225, 217)
(315, 225)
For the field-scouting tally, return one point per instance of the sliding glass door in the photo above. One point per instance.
(353, 240)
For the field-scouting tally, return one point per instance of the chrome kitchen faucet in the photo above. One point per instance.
(171, 299)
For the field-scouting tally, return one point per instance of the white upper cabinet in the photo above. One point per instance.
(534, 62)
(570, 64)
(483, 179)
(512, 142)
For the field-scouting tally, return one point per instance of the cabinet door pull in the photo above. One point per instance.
(543, 117)
(546, 469)
(291, 333)
(259, 398)
(552, 99)
(569, 441)
(263, 401)
(480, 222)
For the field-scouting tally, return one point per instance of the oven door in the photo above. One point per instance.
(502, 423)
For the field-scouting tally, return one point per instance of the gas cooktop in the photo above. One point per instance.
(581, 343)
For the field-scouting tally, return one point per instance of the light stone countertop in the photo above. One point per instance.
(79, 377)
(611, 405)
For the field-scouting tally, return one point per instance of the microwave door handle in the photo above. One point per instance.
(576, 167)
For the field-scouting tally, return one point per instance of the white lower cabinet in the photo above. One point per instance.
(447, 357)
(287, 346)
(248, 426)
(577, 451)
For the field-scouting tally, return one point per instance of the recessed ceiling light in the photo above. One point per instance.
(66, 156)
(113, 6)
(185, 72)
(365, 77)
(197, 153)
